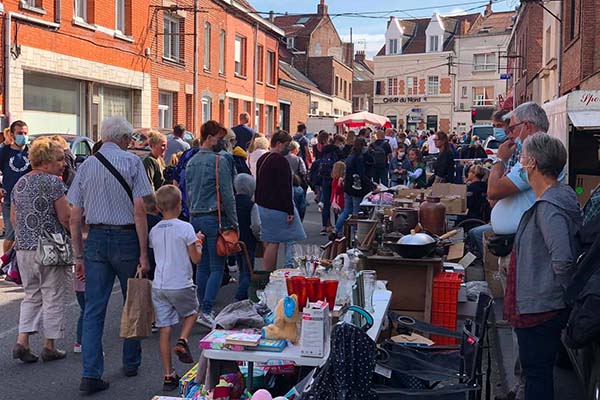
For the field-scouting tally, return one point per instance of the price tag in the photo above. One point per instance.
(383, 371)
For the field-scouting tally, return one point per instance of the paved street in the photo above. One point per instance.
(60, 379)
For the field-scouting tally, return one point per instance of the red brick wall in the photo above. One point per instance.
(402, 87)
(298, 108)
(421, 86)
(445, 85)
(444, 125)
(323, 71)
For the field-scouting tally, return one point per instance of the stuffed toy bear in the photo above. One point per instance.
(286, 317)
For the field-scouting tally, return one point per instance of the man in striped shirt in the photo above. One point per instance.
(116, 243)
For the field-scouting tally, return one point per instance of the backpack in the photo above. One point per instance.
(379, 155)
(326, 164)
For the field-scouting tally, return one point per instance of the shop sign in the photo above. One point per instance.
(408, 99)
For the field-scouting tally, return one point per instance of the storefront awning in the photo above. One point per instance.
(585, 119)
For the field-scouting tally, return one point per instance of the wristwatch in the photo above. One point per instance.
(498, 160)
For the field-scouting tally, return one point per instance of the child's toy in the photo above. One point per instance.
(286, 317)
(222, 390)
(262, 394)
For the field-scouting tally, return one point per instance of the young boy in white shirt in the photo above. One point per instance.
(173, 291)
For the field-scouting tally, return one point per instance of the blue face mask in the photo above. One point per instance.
(21, 140)
(523, 174)
(519, 144)
(500, 135)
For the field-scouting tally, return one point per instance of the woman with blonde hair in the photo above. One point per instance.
(261, 146)
(154, 164)
(70, 168)
(337, 187)
(39, 206)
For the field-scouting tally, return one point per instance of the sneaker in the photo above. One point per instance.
(77, 347)
(207, 320)
(320, 206)
(91, 385)
(154, 328)
(233, 268)
(171, 382)
(52, 355)
(182, 350)
(24, 354)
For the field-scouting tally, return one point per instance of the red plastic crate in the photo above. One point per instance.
(446, 286)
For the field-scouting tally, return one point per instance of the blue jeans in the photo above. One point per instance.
(9, 231)
(289, 254)
(209, 272)
(380, 175)
(81, 301)
(326, 200)
(351, 207)
(244, 268)
(108, 253)
(538, 348)
(476, 235)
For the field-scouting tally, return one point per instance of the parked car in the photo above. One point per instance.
(81, 146)
(139, 144)
(490, 145)
(481, 131)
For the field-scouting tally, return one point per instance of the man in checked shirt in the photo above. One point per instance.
(116, 244)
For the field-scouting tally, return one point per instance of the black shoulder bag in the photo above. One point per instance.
(115, 173)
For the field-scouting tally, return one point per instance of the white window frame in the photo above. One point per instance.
(80, 10)
(433, 85)
(165, 110)
(171, 39)
(270, 68)
(239, 55)
(464, 93)
(393, 46)
(479, 100)
(206, 109)
(207, 39)
(412, 85)
(120, 20)
(489, 62)
(270, 119)
(393, 88)
(434, 43)
(290, 42)
(222, 41)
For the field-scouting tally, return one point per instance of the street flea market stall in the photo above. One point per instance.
(358, 309)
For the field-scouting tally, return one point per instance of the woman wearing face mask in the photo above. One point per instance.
(542, 264)
(399, 165)
(154, 164)
(280, 222)
(203, 202)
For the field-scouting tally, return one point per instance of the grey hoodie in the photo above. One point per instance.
(546, 250)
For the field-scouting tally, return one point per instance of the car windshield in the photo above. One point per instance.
(493, 144)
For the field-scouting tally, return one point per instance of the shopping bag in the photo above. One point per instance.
(138, 311)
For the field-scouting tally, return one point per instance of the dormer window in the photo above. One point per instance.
(434, 44)
(393, 46)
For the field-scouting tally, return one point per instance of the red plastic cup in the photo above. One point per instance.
(300, 290)
(313, 289)
(321, 291)
(290, 286)
(330, 292)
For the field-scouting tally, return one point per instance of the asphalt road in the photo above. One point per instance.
(59, 380)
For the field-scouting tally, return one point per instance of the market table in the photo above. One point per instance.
(381, 303)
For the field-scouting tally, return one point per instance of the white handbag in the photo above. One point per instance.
(54, 250)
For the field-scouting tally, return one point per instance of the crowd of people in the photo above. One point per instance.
(162, 215)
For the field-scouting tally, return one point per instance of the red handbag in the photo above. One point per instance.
(228, 240)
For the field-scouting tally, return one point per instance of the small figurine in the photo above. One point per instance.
(221, 391)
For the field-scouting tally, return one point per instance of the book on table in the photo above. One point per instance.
(217, 340)
(243, 339)
(274, 345)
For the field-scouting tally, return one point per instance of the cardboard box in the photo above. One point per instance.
(490, 268)
(584, 186)
(315, 330)
(453, 196)
(412, 193)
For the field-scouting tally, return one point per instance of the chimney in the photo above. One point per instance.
(390, 21)
(322, 9)
(488, 9)
(271, 16)
(359, 57)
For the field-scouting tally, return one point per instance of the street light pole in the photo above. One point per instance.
(196, 62)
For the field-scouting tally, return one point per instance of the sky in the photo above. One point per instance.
(368, 32)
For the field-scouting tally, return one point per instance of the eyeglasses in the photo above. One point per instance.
(512, 127)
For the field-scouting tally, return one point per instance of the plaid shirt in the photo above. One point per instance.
(592, 207)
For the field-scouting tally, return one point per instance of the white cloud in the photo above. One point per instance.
(373, 42)
(456, 11)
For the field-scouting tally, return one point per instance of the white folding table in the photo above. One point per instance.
(381, 303)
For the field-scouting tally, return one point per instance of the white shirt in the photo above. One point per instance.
(431, 145)
(170, 240)
(253, 159)
(393, 143)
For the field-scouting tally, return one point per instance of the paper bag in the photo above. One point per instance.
(138, 311)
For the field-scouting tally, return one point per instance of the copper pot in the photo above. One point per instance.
(432, 215)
